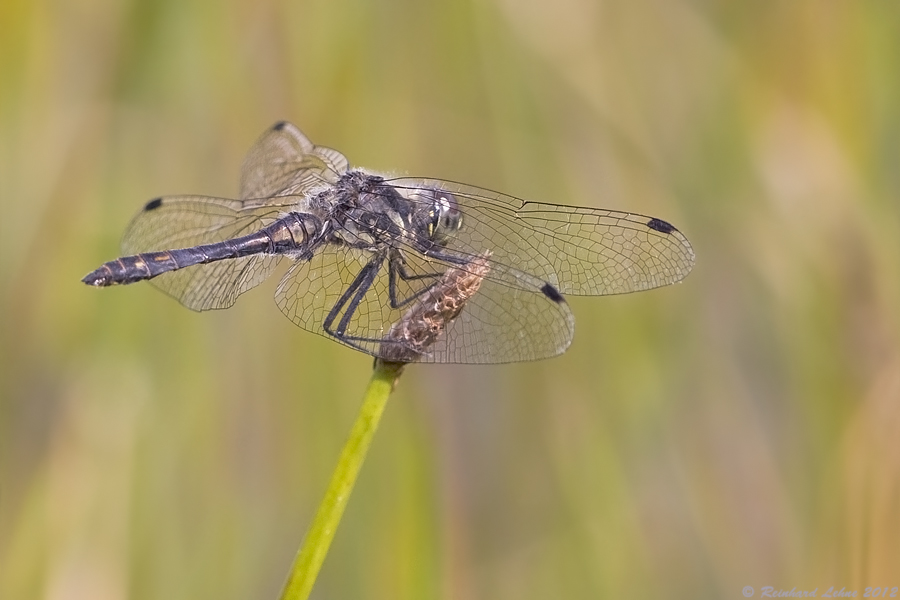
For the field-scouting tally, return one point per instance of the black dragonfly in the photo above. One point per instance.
(364, 250)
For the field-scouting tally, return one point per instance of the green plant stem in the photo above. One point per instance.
(312, 553)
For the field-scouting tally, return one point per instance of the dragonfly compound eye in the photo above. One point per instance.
(446, 216)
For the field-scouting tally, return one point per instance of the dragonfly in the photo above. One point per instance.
(364, 252)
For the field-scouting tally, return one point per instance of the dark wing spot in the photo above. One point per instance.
(552, 293)
(279, 125)
(660, 226)
(153, 204)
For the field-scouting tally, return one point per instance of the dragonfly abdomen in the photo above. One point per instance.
(129, 269)
(289, 234)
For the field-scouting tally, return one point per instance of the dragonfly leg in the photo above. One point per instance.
(397, 267)
(352, 295)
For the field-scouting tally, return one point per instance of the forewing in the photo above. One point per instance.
(498, 324)
(176, 222)
(284, 162)
(580, 251)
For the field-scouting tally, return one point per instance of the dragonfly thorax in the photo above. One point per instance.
(367, 212)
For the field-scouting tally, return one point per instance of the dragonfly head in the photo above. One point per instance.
(444, 216)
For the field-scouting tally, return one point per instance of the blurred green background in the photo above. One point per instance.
(737, 429)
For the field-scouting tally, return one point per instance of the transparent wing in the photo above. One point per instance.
(580, 251)
(501, 324)
(280, 168)
(283, 162)
(176, 222)
(498, 324)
